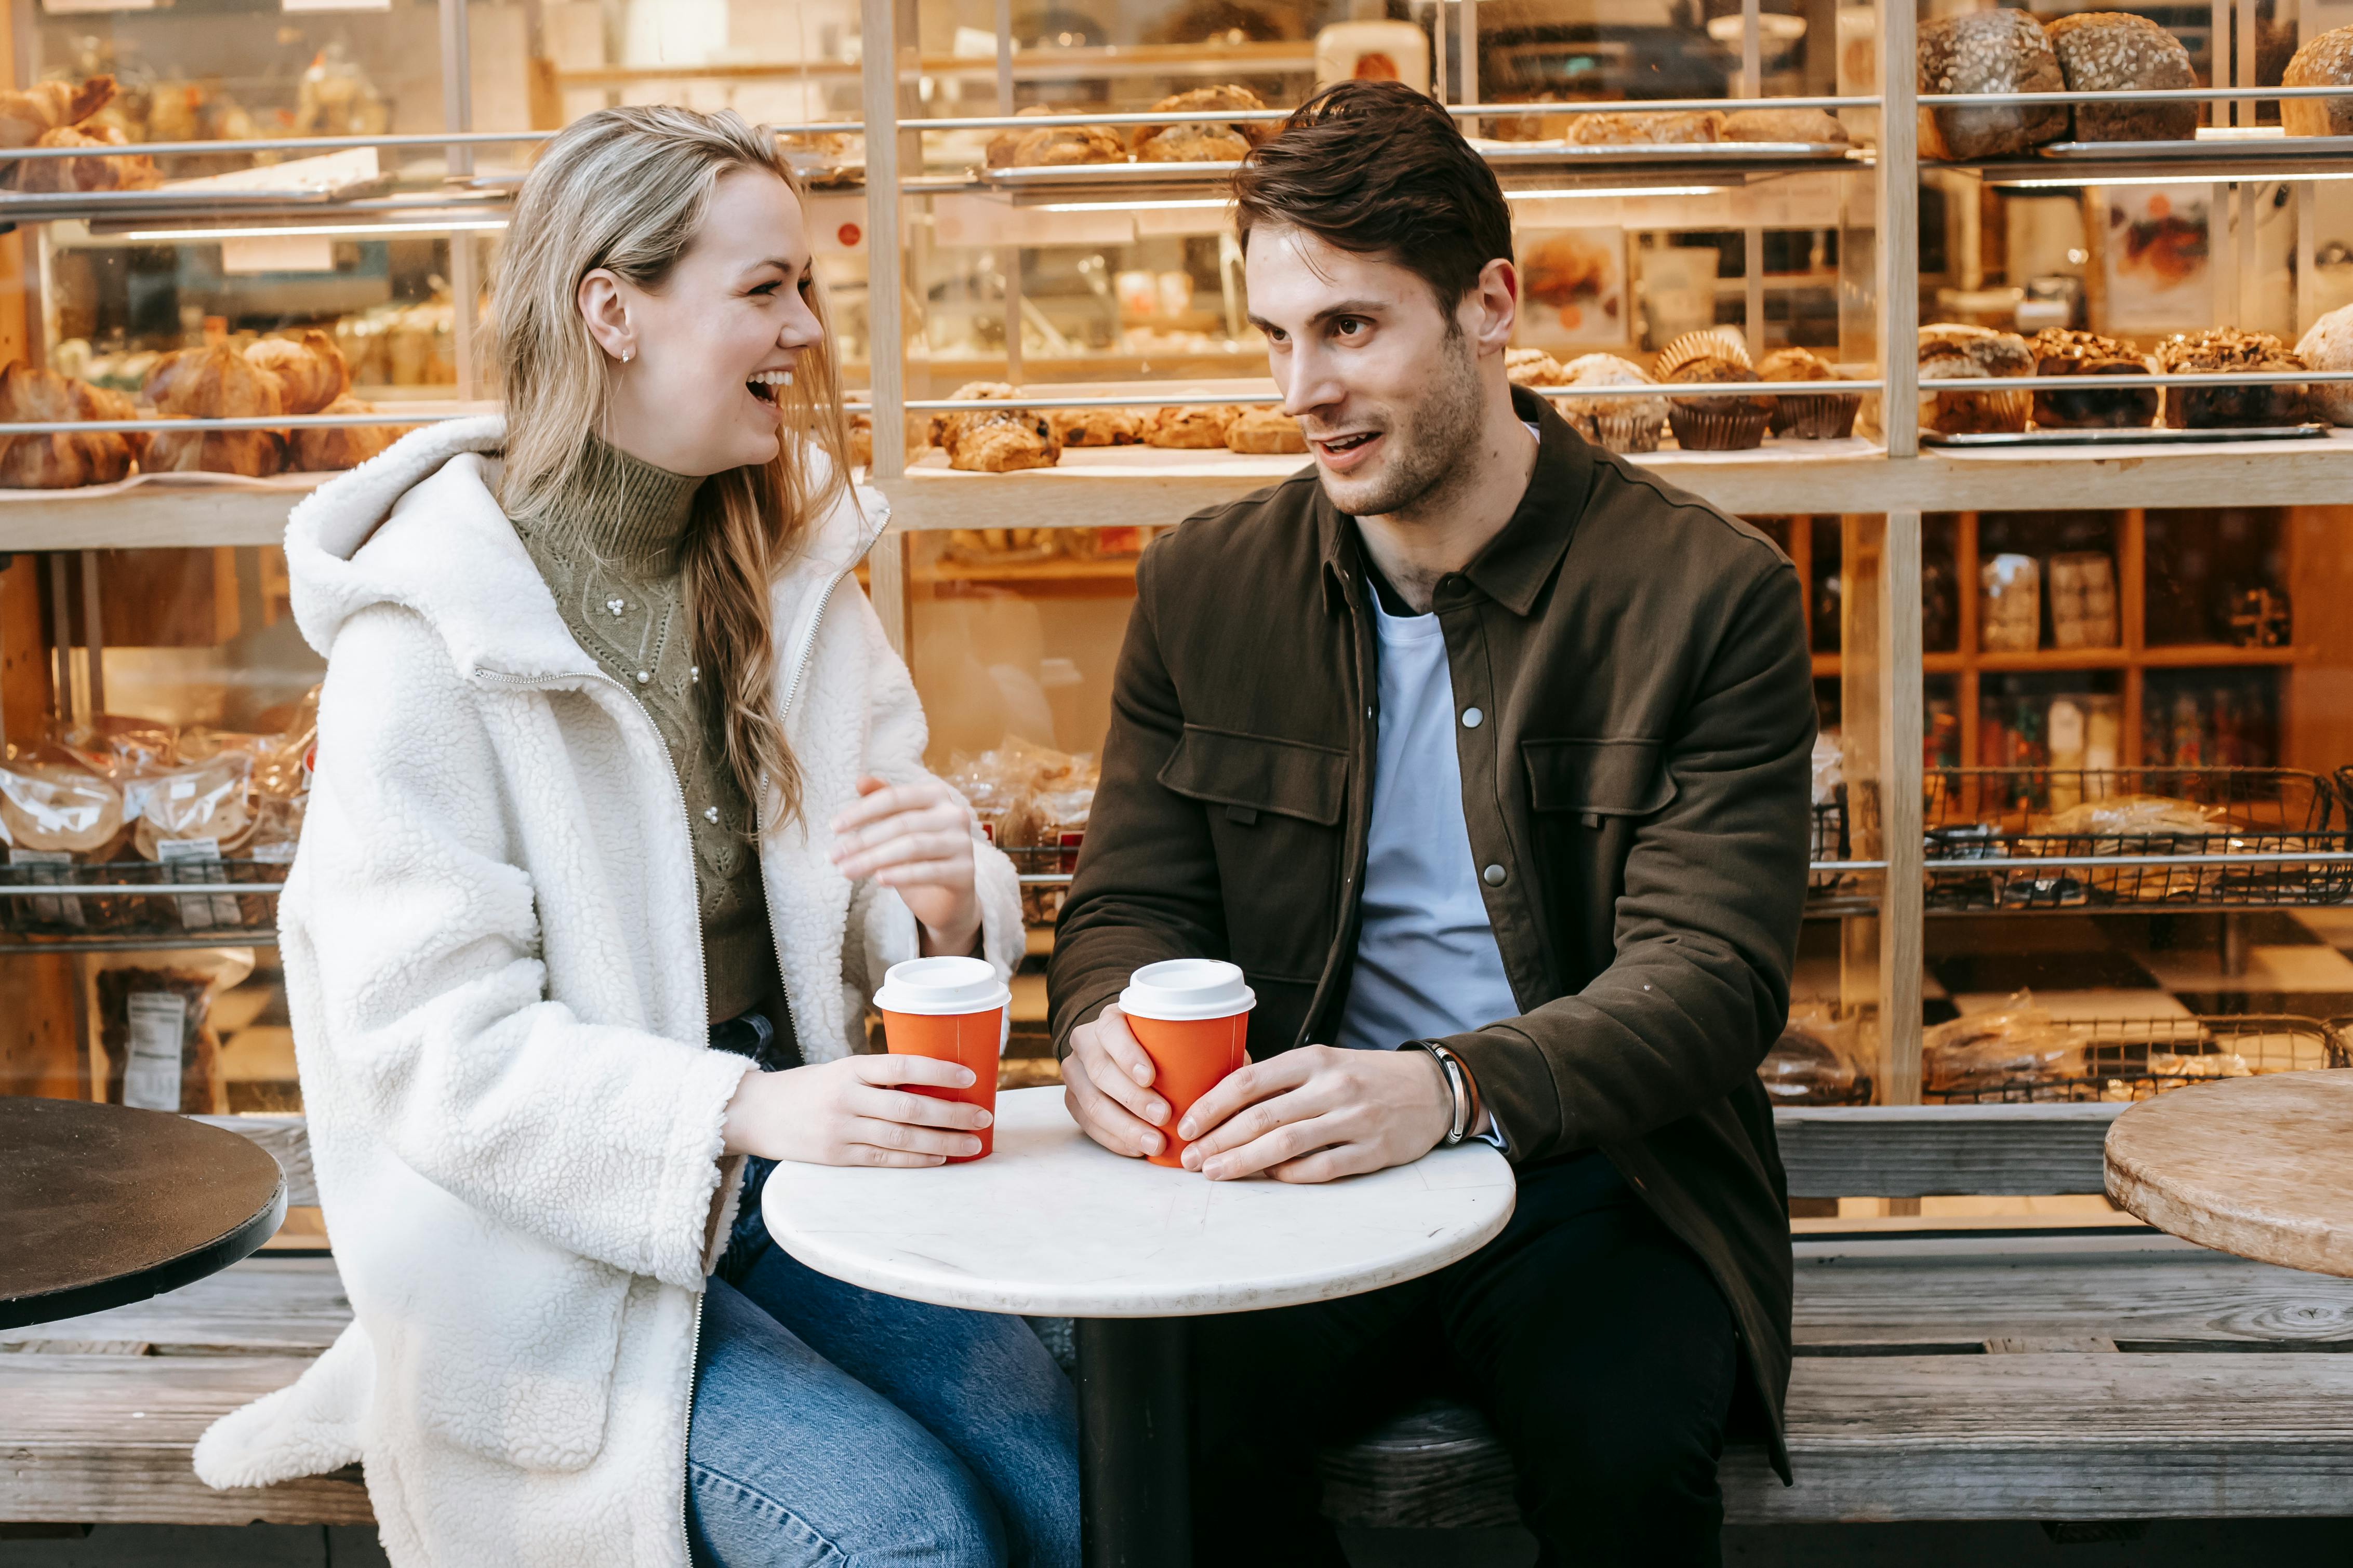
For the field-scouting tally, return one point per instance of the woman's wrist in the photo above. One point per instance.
(932, 941)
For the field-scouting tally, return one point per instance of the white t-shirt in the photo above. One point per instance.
(1427, 963)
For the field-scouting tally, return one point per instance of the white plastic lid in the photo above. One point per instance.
(942, 986)
(1184, 988)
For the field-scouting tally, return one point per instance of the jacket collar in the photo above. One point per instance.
(420, 526)
(1518, 562)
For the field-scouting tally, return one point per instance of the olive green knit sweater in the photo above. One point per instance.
(608, 549)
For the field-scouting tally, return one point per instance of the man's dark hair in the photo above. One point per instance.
(1375, 168)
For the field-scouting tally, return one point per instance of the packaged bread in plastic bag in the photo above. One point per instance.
(2017, 1046)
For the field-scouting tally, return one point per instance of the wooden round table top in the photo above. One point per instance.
(2259, 1166)
(102, 1205)
(1050, 1223)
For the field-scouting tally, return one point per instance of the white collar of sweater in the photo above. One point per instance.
(419, 526)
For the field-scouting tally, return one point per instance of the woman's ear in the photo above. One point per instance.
(607, 314)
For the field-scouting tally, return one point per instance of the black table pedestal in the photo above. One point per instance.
(1134, 1473)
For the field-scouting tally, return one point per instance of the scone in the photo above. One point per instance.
(1202, 141)
(1195, 424)
(1096, 426)
(1265, 430)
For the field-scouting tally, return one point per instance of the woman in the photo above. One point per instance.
(620, 785)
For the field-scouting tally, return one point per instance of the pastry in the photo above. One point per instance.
(994, 441)
(1708, 343)
(1807, 125)
(1613, 130)
(1531, 367)
(62, 461)
(57, 807)
(310, 369)
(2324, 61)
(322, 448)
(1951, 352)
(1096, 426)
(2061, 352)
(1565, 270)
(1265, 430)
(2327, 344)
(1806, 416)
(861, 440)
(1716, 424)
(1805, 1069)
(26, 116)
(214, 382)
(1987, 51)
(2111, 51)
(1054, 144)
(1195, 425)
(2220, 350)
(135, 171)
(1614, 423)
(1202, 141)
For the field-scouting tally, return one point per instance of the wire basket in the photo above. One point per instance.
(85, 904)
(1830, 841)
(2125, 1060)
(2014, 814)
(1045, 872)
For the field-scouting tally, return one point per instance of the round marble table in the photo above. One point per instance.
(100, 1206)
(2251, 1165)
(1051, 1224)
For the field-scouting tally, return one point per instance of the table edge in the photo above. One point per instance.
(238, 1242)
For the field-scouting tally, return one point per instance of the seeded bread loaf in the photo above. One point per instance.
(2324, 61)
(1987, 51)
(2328, 345)
(2110, 51)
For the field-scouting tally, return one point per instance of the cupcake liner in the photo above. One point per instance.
(1716, 343)
(1718, 425)
(1965, 412)
(1622, 430)
(1816, 416)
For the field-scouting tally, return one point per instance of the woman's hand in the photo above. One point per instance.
(915, 837)
(854, 1112)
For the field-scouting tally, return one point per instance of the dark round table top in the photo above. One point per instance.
(100, 1206)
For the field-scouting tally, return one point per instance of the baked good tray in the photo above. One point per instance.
(1503, 155)
(2136, 436)
(2204, 147)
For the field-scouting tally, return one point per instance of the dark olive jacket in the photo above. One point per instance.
(1636, 786)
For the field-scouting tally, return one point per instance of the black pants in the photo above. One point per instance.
(1594, 1340)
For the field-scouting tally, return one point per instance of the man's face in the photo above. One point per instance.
(1383, 383)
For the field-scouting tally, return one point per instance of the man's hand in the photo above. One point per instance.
(1107, 1085)
(1318, 1113)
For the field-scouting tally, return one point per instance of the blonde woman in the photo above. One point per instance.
(620, 815)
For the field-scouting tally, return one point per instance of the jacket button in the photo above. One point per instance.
(1494, 875)
(1473, 718)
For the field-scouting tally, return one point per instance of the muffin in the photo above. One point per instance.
(1613, 424)
(1531, 367)
(1708, 343)
(1805, 415)
(1728, 424)
(2327, 344)
(1950, 351)
(2218, 351)
(2061, 352)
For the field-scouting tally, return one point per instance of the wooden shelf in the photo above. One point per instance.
(1063, 578)
(2182, 656)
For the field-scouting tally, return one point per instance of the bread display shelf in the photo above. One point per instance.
(2069, 661)
(2133, 436)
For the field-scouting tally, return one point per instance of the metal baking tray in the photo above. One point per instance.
(2133, 437)
(1641, 152)
(1106, 173)
(2204, 147)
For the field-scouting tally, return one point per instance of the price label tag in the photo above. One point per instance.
(150, 1078)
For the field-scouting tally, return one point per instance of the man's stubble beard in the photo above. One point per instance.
(1433, 454)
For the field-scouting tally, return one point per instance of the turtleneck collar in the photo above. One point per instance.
(626, 511)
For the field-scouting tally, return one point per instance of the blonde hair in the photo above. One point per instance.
(627, 190)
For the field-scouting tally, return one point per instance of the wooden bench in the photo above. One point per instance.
(2048, 1377)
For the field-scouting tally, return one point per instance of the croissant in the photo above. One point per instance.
(317, 448)
(215, 382)
(46, 106)
(312, 367)
(105, 403)
(29, 394)
(136, 171)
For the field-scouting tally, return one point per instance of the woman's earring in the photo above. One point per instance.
(628, 354)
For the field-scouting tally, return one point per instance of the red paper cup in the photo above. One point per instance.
(1191, 1015)
(952, 1010)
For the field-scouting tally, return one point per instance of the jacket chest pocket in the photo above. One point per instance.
(1274, 808)
(1589, 782)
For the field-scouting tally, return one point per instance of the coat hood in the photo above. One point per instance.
(419, 525)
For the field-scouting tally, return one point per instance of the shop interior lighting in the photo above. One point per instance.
(2190, 175)
(1597, 191)
(332, 230)
(1167, 205)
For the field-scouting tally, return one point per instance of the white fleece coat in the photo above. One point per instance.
(493, 962)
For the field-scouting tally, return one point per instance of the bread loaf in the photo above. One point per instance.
(1781, 125)
(2324, 61)
(2112, 51)
(1614, 129)
(2327, 344)
(1987, 51)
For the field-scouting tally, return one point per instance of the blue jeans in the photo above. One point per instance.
(835, 1426)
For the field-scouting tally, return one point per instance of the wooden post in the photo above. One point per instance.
(1902, 945)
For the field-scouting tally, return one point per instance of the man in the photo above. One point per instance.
(1472, 738)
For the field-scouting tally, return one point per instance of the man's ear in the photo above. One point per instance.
(1491, 306)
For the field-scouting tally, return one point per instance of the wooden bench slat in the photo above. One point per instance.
(106, 1440)
(2167, 1297)
(1926, 1151)
(261, 1306)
